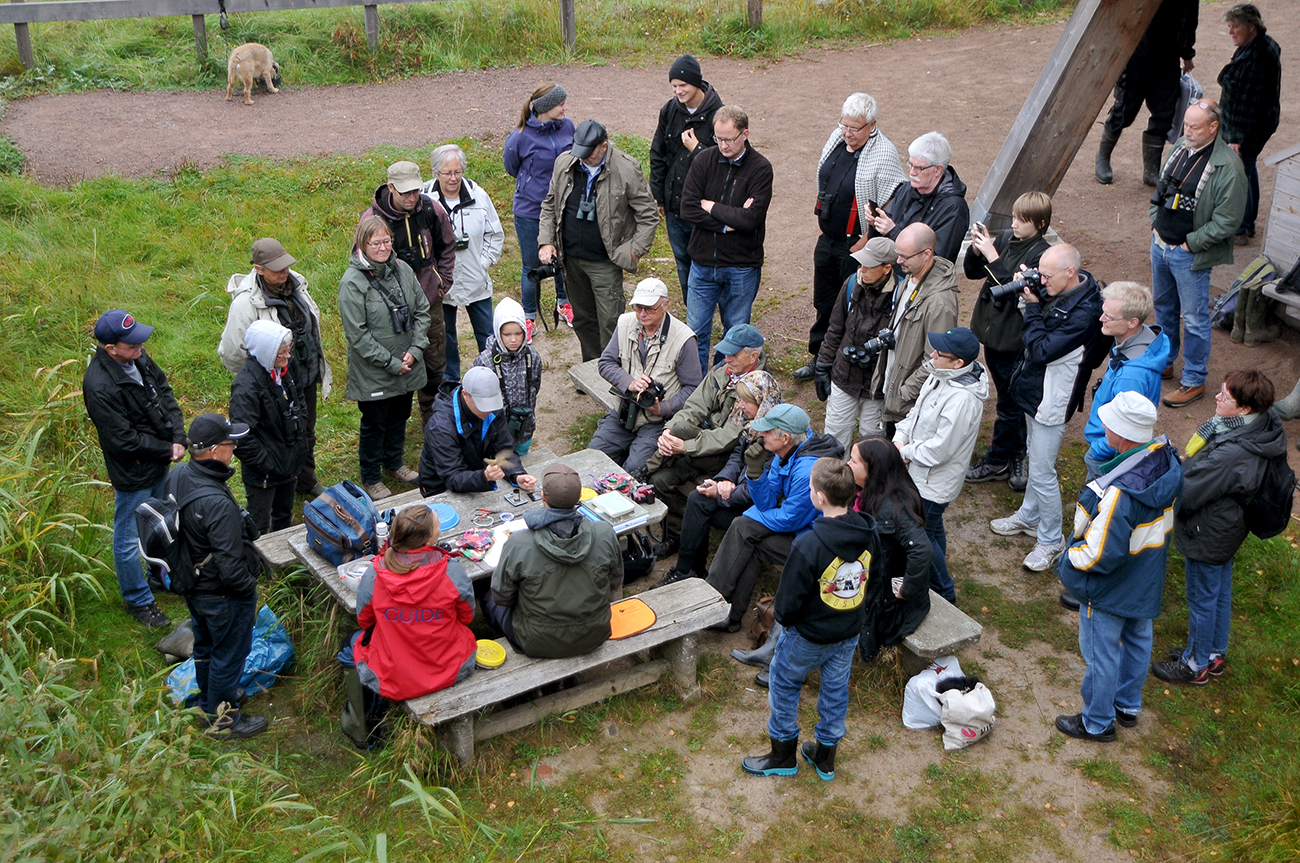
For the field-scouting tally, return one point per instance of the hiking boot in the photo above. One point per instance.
(1180, 672)
(376, 490)
(237, 726)
(565, 311)
(315, 491)
(984, 471)
(780, 761)
(1167, 373)
(1128, 720)
(1044, 557)
(530, 328)
(1019, 473)
(150, 615)
(1070, 601)
(665, 548)
(673, 576)
(1013, 525)
(822, 758)
(1072, 726)
(405, 474)
(763, 679)
(1184, 396)
(807, 371)
(1240, 240)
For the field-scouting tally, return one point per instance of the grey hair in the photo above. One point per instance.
(439, 157)
(1134, 299)
(860, 105)
(197, 451)
(933, 147)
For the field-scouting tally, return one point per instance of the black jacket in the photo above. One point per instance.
(276, 447)
(1208, 524)
(455, 446)
(137, 425)
(218, 532)
(944, 210)
(853, 324)
(1052, 330)
(997, 323)
(823, 587)
(669, 158)
(905, 553)
(728, 185)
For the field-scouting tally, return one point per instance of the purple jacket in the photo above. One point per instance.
(529, 157)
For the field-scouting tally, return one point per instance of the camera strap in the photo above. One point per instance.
(501, 377)
(389, 299)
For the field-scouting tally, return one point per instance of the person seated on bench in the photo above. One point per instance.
(551, 591)
(464, 433)
(701, 436)
(649, 347)
(719, 501)
(782, 509)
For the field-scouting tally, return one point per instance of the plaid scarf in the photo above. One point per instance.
(879, 173)
(1215, 425)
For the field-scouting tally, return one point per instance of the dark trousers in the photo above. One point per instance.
(223, 636)
(1009, 426)
(631, 449)
(270, 506)
(500, 618)
(676, 480)
(940, 580)
(382, 441)
(832, 264)
(746, 547)
(596, 296)
(1141, 81)
(307, 476)
(1249, 161)
(702, 513)
(435, 360)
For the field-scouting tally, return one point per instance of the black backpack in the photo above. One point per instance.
(1268, 512)
(162, 544)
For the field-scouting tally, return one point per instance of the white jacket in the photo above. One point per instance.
(938, 434)
(248, 304)
(476, 219)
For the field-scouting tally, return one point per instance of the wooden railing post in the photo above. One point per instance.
(568, 24)
(24, 43)
(372, 28)
(755, 13)
(200, 38)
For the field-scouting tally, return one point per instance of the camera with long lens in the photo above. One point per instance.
(1030, 278)
(631, 405)
(865, 355)
(540, 273)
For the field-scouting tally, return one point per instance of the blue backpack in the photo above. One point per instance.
(341, 523)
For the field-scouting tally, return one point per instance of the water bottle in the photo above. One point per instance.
(381, 536)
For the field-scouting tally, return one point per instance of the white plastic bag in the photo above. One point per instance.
(921, 704)
(967, 716)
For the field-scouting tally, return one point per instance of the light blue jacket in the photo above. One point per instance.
(1134, 366)
(780, 494)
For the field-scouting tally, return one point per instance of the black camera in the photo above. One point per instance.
(631, 405)
(866, 355)
(411, 256)
(1030, 278)
(462, 242)
(540, 273)
(1167, 195)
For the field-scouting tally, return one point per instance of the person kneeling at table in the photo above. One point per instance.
(467, 445)
(551, 591)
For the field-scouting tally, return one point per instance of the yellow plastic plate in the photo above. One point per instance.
(587, 494)
(490, 654)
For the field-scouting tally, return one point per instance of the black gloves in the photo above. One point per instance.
(822, 376)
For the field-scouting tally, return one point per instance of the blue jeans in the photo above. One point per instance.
(223, 636)
(1209, 608)
(1117, 651)
(679, 237)
(940, 580)
(795, 657)
(526, 231)
(1042, 503)
(480, 318)
(126, 546)
(729, 289)
(1178, 290)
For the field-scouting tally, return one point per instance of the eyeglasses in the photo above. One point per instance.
(379, 244)
(645, 310)
(918, 169)
(451, 173)
(1047, 277)
(1110, 319)
(845, 127)
(729, 141)
(902, 257)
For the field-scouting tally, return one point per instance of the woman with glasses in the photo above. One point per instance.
(479, 238)
(935, 196)
(385, 317)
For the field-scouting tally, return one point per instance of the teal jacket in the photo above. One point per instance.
(1220, 204)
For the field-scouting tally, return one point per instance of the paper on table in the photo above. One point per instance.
(500, 534)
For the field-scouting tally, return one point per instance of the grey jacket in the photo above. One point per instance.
(375, 350)
(933, 311)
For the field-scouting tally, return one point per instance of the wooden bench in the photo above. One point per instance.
(945, 630)
(465, 709)
(587, 378)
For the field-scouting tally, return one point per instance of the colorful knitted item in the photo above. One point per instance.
(475, 543)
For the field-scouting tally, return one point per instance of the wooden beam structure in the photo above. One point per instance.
(1098, 40)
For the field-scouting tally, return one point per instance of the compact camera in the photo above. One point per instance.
(462, 242)
(1030, 278)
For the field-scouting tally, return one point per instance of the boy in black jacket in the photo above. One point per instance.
(820, 602)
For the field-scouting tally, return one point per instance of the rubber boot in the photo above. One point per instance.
(1239, 315)
(1289, 407)
(822, 758)
(1102, 171)
(760, 657)
(1259, 330)
(781, 761)
(1153, 151)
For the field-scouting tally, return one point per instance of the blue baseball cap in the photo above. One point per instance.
(118, 326)
(783, 417)
(959, 342)
(738, 337)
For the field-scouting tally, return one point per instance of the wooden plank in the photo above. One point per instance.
(24, 39)
(568, 24)
(1269, 161)
(1063, 104)
(372, 27)
(200, 38)
(586, 377)
(98, 10)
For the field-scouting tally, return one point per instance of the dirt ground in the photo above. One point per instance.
(957, 84)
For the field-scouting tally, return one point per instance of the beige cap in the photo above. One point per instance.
(405, 176)
(270, 255)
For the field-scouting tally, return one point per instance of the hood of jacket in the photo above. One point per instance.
(562, 535)
(1135, 366)
(816, 446)
(845, 537)
(545, 127)
(973, 378)
(942, 276)
(415, 588)
(950, 185)
(508, 311)
(262, 340)
(1149, 477)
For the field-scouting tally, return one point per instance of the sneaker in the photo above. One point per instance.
(1184, 396)
(673, 576)
(150, 615)
(1072, 726)
(565, 311)
(982, 471)
(1180, 672)
(530, 327)
(1013, 525)
(406, 475)
(1043, 557)
(1019, 473)
(665, 548)
(376, 490)
(1128, 720)
(237, 726)
(1216, 666)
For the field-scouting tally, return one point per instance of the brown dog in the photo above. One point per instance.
(248, 63)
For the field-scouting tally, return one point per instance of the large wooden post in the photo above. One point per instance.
(1098, 40)
(755, 11)
(568, 26)
(200, 38)
(24, 43)
(372, 28)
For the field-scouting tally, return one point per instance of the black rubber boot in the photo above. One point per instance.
(822, 758)
(781, 761)
(1153, 151)
(1102, 170)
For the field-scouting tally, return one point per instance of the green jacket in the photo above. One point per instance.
(1220, 204)
(702, 421)
(375, 350)
(560, 586)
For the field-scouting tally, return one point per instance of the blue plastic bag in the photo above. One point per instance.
(271, 654)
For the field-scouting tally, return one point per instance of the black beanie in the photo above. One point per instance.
(687, 68)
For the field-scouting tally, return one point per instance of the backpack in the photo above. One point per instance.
(1259, 272)
(162, 543)
(341, 523)
(1268, 512)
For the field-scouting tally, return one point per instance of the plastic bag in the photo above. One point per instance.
(967, 716)
(921, 704)
(1189, 90)
(271, 653)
